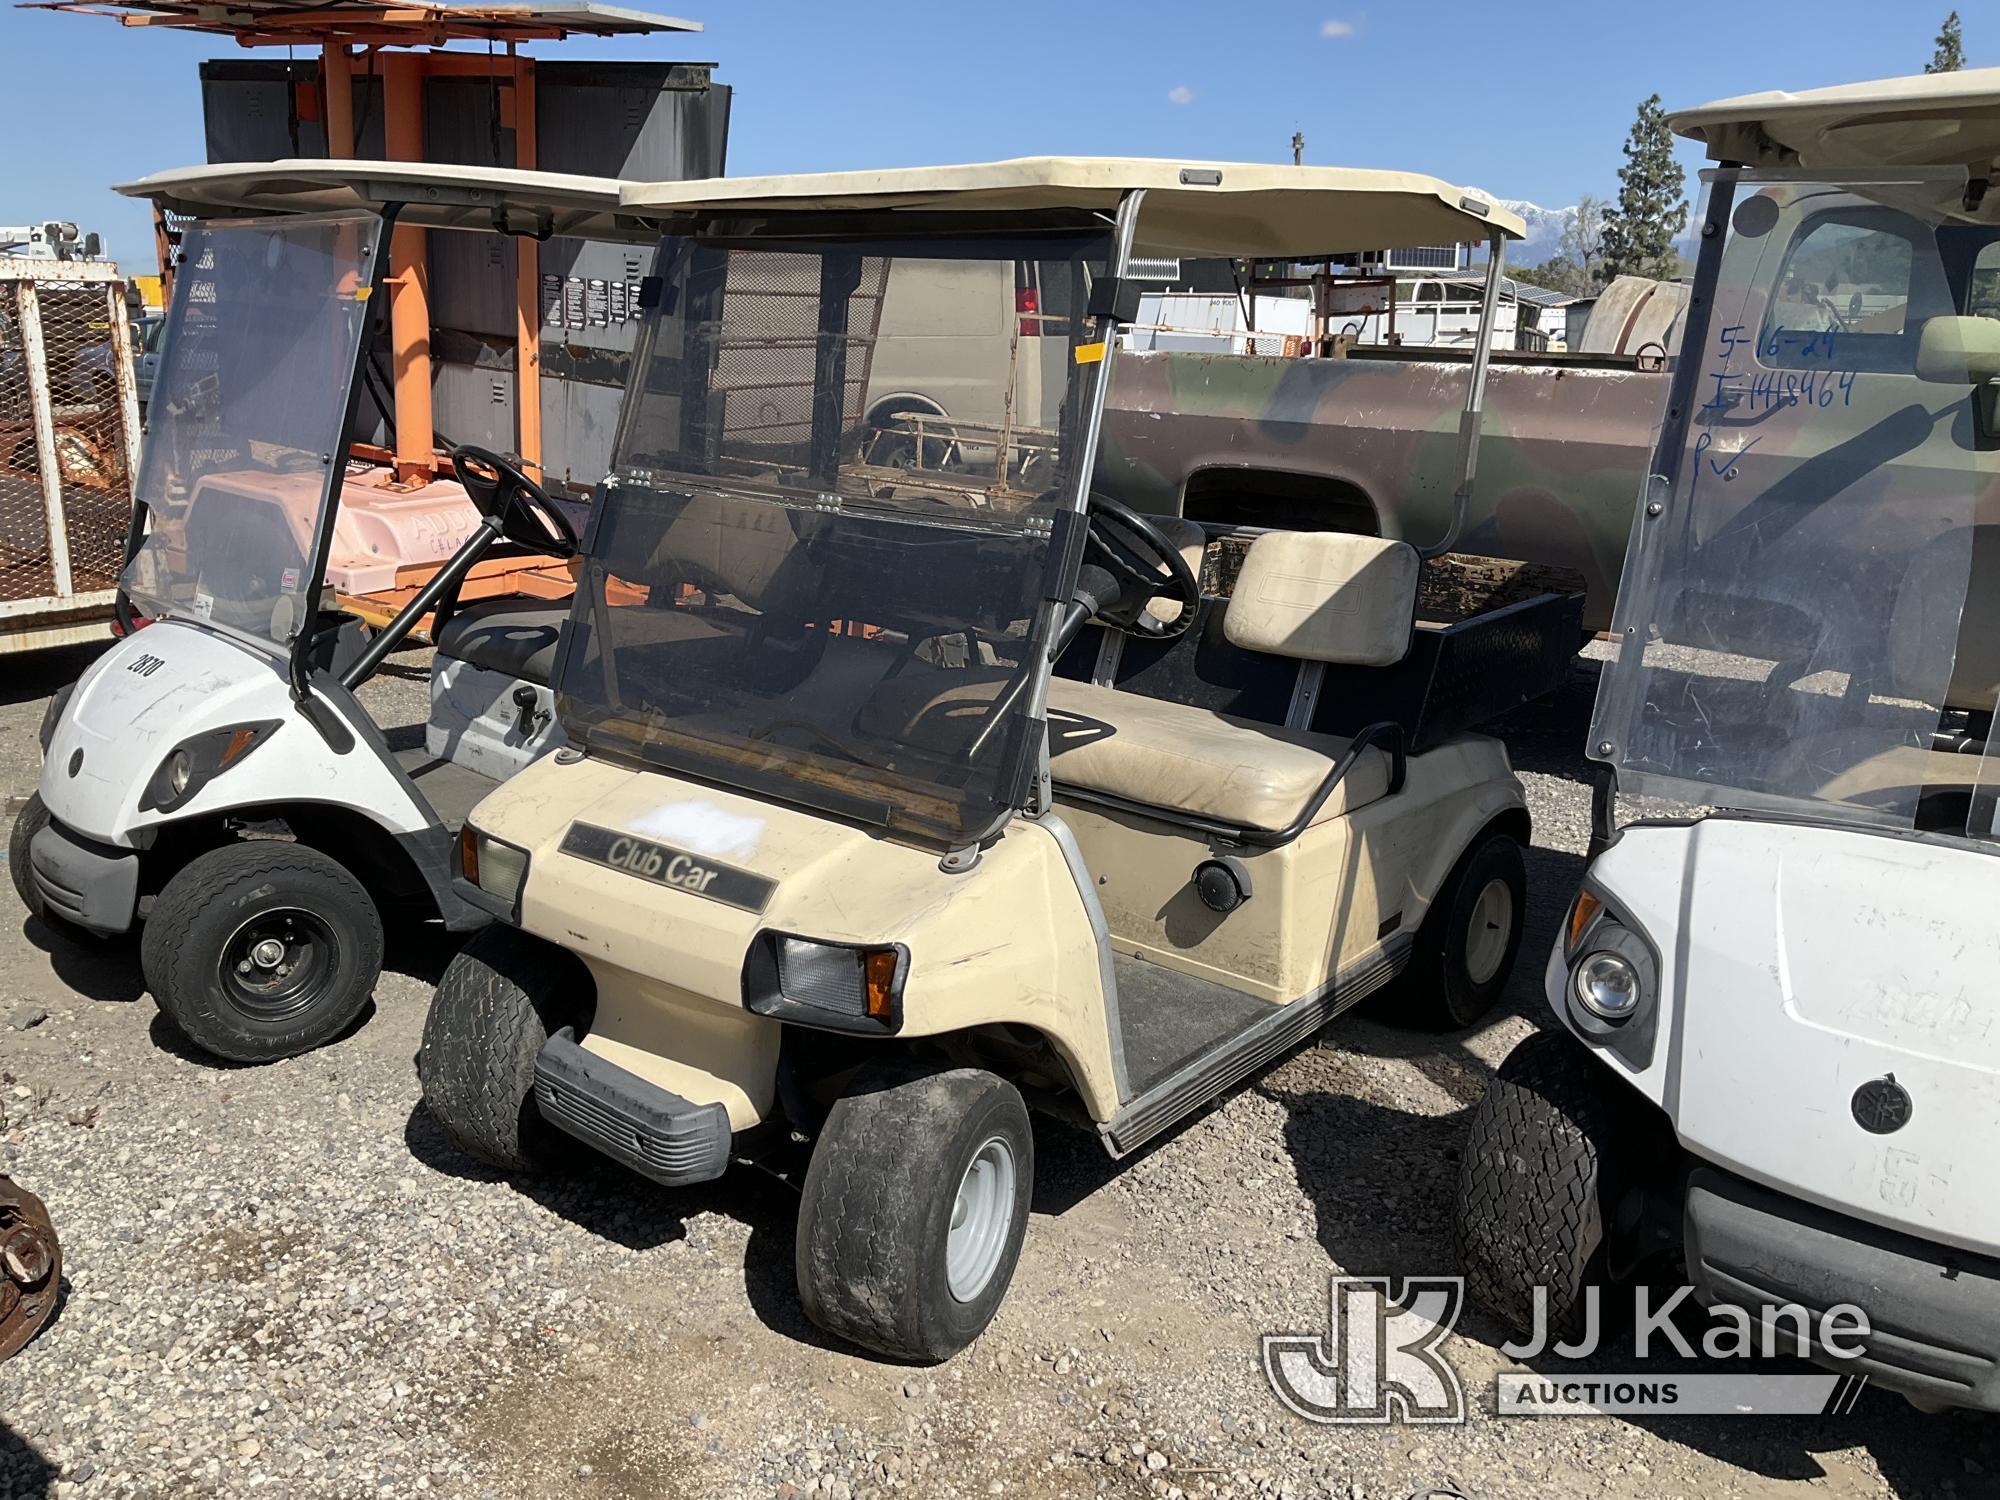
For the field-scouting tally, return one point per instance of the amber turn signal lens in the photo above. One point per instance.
(1581, 913)
(878, 974)
(468, 853)
(239, 741)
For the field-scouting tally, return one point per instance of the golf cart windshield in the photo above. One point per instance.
(243, 435)
(1794, 633)
(824, 565)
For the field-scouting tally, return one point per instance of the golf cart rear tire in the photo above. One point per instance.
(208, 904)
(876, 1211)
(1533, 1204)
(1438, 990)
(31, 820)
(500, 1000)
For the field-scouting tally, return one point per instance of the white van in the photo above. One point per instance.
(951, 353)
(948, 348)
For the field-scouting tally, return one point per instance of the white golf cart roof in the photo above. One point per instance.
(436, 195)
(1930, 120)
(1192, 208)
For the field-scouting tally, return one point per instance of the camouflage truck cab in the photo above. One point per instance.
(1368, 443)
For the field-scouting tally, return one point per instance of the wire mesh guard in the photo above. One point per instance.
(768, 350)
(65, 480)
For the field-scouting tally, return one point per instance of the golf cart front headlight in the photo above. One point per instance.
(1607, 985)
(494, 865)
(195, 762)
(851, 987)
(1611, 989)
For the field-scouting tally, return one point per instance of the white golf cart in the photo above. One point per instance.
(231, 717)
(1777, 1062)
(913, 795)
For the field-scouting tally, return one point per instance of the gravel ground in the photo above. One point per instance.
(284, 1280)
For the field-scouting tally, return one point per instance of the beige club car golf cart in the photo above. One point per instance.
(911, 796)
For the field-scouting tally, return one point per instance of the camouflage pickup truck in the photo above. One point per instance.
(1367, 443)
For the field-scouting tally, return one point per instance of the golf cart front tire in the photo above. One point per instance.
(500, 1000)
(32, 819)
(227, 904)
(898, 1161)
(1534, 1202)
(1466, 946)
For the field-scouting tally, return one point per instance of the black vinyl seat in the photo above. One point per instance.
(510, 635)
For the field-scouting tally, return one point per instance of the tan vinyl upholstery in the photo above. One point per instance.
(1325, 596)
(1145, 750)
(1191, 542)
(1197, 762)
(733, 548)
(1312, 596)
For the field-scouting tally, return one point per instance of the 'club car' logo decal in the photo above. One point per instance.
(662, 864)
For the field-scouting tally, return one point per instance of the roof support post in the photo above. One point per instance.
(527, 283)
(1473, 417)
(336, 74)
(409, 277)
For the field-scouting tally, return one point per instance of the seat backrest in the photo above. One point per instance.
(1326, 596)
(1191, 542)
(738, 548)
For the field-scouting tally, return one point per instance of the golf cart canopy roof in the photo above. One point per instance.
(1192, 208)
(1931, 120)
(435, 195)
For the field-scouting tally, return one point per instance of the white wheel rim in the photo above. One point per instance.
(1489, 931)
(982, 1218)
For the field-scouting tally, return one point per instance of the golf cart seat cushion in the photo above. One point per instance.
(1180, 759)
(1326, 596)
(513, 636)
(1200, 763)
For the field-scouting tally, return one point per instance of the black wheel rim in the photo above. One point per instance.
(277, 963)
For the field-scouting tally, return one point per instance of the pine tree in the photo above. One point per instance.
(1950, 54)
(1639, 228)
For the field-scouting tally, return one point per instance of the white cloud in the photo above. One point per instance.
(1333, 30)
(1180, 94)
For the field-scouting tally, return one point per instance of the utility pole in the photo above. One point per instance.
(1298, 148)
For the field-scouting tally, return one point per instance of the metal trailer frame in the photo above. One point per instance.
(65, 615)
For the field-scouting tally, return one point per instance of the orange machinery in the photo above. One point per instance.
(401, 511)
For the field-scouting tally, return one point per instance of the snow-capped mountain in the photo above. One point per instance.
(1545, 230)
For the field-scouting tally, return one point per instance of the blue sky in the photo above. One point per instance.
(1525, 100)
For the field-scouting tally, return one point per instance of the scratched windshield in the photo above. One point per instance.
(246, 419)
(1793, 630)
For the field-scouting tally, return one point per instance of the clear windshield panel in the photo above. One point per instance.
(824, 568)
(914, 376)
(1789, 625)
(245, 422)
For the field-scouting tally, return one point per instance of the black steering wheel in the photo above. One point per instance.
(1144, 564)
(501, 491)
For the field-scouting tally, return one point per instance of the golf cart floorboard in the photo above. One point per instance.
(1169, 1018)
(451, 789)
(1188, 1040)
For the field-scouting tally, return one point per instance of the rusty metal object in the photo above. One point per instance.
(30, 1266)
